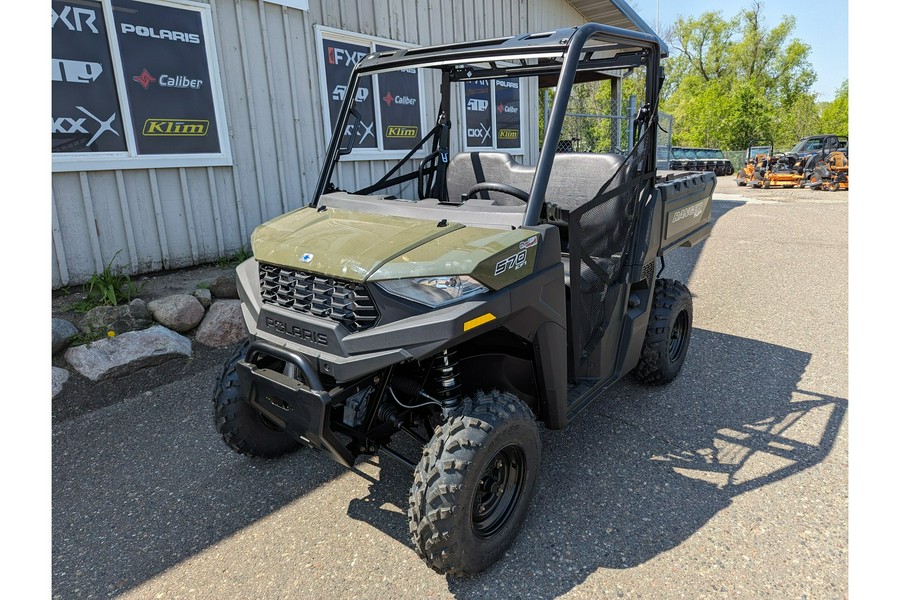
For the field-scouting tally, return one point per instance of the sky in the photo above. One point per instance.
(823, 27)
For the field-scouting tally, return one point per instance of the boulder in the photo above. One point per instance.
(204, 296)
(180, 312)
(58, 377)
(133, 316)
(225, 286)
(223, 324)
(63, 332)
(126, 353)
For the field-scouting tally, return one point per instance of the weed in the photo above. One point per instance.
(203, 285)
(235, 259)
(109, 288)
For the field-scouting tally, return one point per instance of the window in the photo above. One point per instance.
(390, 107)
(493, 114)
(135, 85)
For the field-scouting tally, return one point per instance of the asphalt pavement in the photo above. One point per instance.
(730, 482)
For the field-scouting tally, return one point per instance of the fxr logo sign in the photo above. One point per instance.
(75, 18)
(477, 105)
(348, 58)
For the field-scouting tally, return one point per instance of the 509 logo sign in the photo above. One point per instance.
(76, 71)
(175, 127)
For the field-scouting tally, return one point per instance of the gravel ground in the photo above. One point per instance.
(731, 482)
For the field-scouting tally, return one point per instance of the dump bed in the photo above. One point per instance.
(681, 212)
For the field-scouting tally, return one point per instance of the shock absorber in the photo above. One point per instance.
(446, 379)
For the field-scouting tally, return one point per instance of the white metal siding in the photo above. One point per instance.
(146, 220)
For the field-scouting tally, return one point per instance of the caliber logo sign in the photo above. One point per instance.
(175, 127)
(168, 81)
(401, 131)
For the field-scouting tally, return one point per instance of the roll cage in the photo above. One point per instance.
(561, 58)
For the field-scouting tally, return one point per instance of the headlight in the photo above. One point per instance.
(433, 291)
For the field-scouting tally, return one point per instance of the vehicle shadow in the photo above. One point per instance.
(645, 468)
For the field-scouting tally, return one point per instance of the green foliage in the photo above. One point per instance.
(836, 114)
(733, 81)
(235, 259)
(111, 287)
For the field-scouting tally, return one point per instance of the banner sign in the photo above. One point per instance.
(135, 86)
(166, 69)
(492, 114)
(479, 114)
(389, 104)
(86, 114)
(401, 115)
(338, 60)
(506, 92)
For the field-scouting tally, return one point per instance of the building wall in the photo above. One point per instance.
(142, 220)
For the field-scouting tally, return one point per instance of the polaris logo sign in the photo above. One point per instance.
(162, 34)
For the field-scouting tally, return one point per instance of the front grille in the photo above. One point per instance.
(346, 302)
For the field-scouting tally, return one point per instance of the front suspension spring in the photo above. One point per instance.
(446, 379)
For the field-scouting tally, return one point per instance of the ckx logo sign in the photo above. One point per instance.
(481, 132)
(69, 125)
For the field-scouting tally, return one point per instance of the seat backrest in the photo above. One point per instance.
(575, 178)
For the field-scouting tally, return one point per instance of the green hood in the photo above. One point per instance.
(357, 246)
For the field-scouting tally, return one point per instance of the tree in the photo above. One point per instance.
(733, 81)
(835, 115)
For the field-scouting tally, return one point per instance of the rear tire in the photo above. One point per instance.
(473, 485)
(241, 426)
(668, 334)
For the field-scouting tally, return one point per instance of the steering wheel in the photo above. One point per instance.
(487, 186)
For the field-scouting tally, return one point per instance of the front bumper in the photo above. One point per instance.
(302, 408)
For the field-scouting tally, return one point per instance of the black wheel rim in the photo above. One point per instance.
(499, 491)
(678, 337)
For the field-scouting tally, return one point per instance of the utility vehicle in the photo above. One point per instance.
(463, 301)
(827, 168)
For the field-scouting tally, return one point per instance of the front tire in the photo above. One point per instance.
(668, 334)
(241, 426)
(473, 485)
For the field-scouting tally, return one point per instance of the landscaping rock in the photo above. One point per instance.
(58, 377)
(224, 286)
(63, 331)
(223, 324)
(204, 296)
(128, 352)
(133, 316)
(180, 312)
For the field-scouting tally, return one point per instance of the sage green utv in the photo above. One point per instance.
(467, 295)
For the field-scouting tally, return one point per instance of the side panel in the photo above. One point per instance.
(686, 210)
